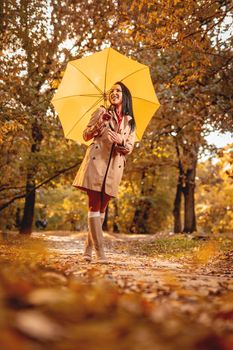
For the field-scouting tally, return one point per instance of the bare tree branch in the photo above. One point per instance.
(60, 172)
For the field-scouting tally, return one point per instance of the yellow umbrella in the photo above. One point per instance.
(85, 86)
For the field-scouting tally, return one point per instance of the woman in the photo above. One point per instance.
(113, 134)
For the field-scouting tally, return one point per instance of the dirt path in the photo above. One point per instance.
(154, 277)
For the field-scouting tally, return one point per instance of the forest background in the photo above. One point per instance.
(167, 186)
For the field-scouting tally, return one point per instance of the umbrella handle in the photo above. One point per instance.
(105, 96)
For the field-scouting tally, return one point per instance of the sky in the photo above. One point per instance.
(218, 139)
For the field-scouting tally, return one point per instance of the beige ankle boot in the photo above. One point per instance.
(87, 255)
(97, 237)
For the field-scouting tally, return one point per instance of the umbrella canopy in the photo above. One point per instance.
(87, 82)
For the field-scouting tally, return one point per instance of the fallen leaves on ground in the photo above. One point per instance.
(156, 293)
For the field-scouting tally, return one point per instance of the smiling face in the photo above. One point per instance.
(115, 95)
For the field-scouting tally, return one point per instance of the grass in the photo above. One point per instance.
(179, 246)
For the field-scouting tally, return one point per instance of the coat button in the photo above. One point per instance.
(93, 157)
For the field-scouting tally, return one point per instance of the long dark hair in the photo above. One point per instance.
(127, 105)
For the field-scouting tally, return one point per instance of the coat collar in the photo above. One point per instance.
(125, 120)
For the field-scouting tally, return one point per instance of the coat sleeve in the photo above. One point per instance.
(91, 129)
(127, 145)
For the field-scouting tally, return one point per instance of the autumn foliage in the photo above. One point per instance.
(160, 290)
(188, 46)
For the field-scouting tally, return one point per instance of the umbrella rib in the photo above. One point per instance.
(88, 78)
(81, 95)
(137, 135)
(95, 104)
(140, 98)
(136, 71)
(105, 77)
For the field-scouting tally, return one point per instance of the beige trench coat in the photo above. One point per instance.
(104, 160)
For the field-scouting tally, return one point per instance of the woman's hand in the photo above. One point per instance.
(114, 137)
(99, 126)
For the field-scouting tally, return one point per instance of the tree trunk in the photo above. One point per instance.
(177, 201)
(17, 218)
(177, 208)
(138, 223)
(28, 213)
(186, 185)
(189, 202)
